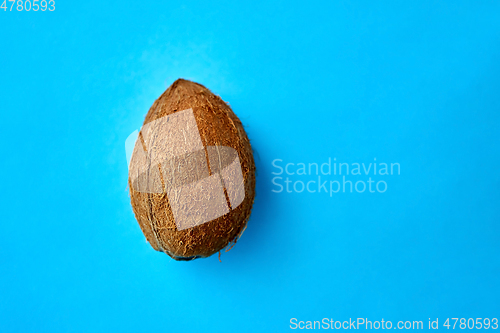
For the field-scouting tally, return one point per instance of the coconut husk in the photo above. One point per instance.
(154, 180)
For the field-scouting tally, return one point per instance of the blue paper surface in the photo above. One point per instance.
(415, 85)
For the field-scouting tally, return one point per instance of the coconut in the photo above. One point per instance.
(192, 173)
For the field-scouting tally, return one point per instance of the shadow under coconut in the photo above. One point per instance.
(255, 233)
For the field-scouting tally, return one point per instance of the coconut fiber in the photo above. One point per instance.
(191, 193)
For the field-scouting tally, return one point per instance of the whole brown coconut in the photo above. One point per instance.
(192, 173)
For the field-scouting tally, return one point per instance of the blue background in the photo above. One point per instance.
(413, 83)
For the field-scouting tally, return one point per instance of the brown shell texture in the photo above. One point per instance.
(218, 127)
